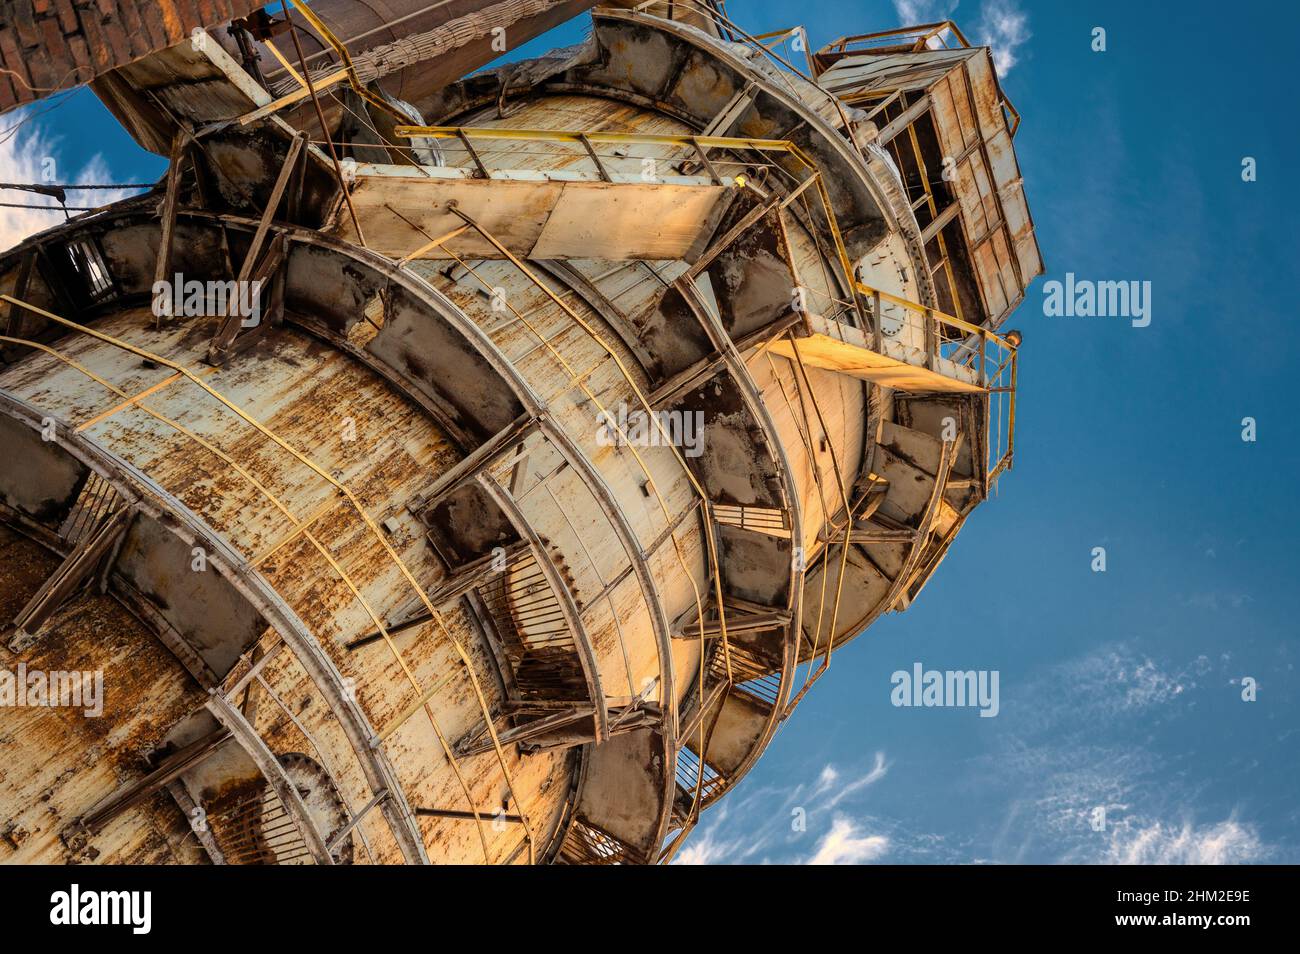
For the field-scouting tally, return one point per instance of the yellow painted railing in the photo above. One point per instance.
(989, 358)
(944, 35)
(348, 500)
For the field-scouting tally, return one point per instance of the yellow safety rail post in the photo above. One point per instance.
(1006, 358)
(773, 146)
(342, 51)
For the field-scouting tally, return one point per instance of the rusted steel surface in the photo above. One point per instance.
(958, 89)
(59, 44)
(467, 42)
(434, 591)
(384, 471)
(57, 762)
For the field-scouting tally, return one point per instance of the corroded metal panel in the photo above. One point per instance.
(47, 487)
(58, 763)
(619, 797)
(733, 732)
(550, 219)
(969, 118)
(206, 612)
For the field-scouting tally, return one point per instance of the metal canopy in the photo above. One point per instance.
(557, 215)
(843, 348)
(856, 360)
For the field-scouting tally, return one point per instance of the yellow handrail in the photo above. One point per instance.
(1005, 361)
(940, 316)
(651, 484)
(701, 142)
(559, 135)
(342, 52)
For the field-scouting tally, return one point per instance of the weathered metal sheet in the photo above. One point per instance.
(620, 796)
(203, 608)
(551, 219)
(46, 488)
(58, 762)
(1020, 225)
(864, 588)
(739, 724)
(968, 117)
(824, 351)
(891, 71)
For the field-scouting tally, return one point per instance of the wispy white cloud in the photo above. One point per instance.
(878, 771)
(825, 781)
(1146, 818)
(1079, 736)
(1214, 601)
(1112, 682)
(846, 844)
(736, 831)
(1074, 754)
(917, 12)
(776, 824)
(1004, 28)
(1002, 25)
(30, 154)
(1156, 843)
(1146, 684)
(708, 848)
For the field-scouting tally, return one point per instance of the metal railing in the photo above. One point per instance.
(703, 153)
(925, 36)
(944, 35)
(256, 829)
(535, 636)
(765, 44)
(579, 380)
(798, 162)
(912, 332)
(956, 349)
(699, 151)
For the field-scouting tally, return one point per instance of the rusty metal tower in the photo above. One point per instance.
(589, 406)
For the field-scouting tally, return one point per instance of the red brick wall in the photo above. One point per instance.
(59, 44)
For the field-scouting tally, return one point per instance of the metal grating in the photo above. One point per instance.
(752, 675)
(585, 844)
(256, 829)
(760, 519)
(689, 767)
(534, 635)
(97, 501)
(88, 262)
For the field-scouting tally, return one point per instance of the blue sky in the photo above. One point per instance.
(1118, 689)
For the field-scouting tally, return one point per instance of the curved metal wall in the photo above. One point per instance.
(301, 469)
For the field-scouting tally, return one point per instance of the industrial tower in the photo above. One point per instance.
(460, 467)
